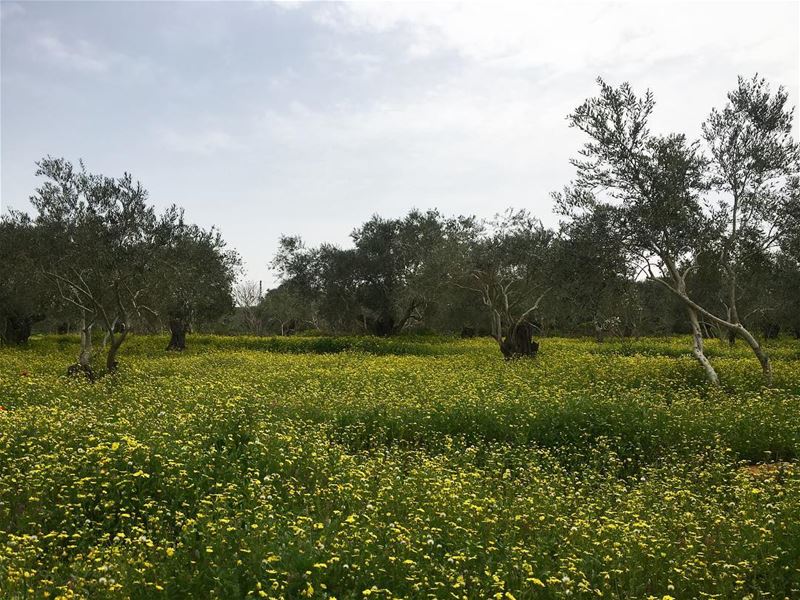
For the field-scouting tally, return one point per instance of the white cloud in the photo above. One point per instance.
(569, 35)
(689, 54)
(462, 147)
(83, 56)
(79, 55)
(284, 4)
(205, 142)
(349, 109)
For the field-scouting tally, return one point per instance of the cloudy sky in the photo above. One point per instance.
(269, 118)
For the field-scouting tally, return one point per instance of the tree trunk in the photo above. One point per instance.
(84, 364)
(698, 349)
(599, 332)
(116, 342)
(85, 356)
(384, 325)
(737, 328)
(519, 343)
(410, 314)
(18, 329)
(763, 359)
(177, 340)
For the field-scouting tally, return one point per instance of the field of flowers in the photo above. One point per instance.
(415, 468)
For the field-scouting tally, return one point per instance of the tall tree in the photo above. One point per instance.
(754, 160)
(662, 185)
(656, 186)
(786, 281)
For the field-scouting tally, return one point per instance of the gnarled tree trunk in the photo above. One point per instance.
(84, 364)
(116, 342)
(18, 329)
(384, 325)
(519, 342)
(178, 329)
(599, 331)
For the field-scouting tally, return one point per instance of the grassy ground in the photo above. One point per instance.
(418, 467)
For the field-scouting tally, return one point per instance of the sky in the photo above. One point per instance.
(270, 118)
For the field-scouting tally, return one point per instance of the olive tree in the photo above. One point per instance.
(286, 309)
(403, 266)
(326, 280)
(672, 199)
(193, 274)
(396, 270)
(655, 185)
(754, 165)
(786, 281)
(23, 296)
(507, 265)
(591, 275)
(99, 232)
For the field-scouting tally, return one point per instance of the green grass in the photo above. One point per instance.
(416, 467)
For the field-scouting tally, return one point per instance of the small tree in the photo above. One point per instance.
(193, 275)
(248, 296)
(99, 234)
(507, 266)
(286, 308)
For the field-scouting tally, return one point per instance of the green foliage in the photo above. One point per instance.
(395, 273)
(23, 291)
(403, 467)
(192, 271)
(98, 247)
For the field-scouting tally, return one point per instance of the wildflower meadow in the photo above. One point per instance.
(406, 468)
